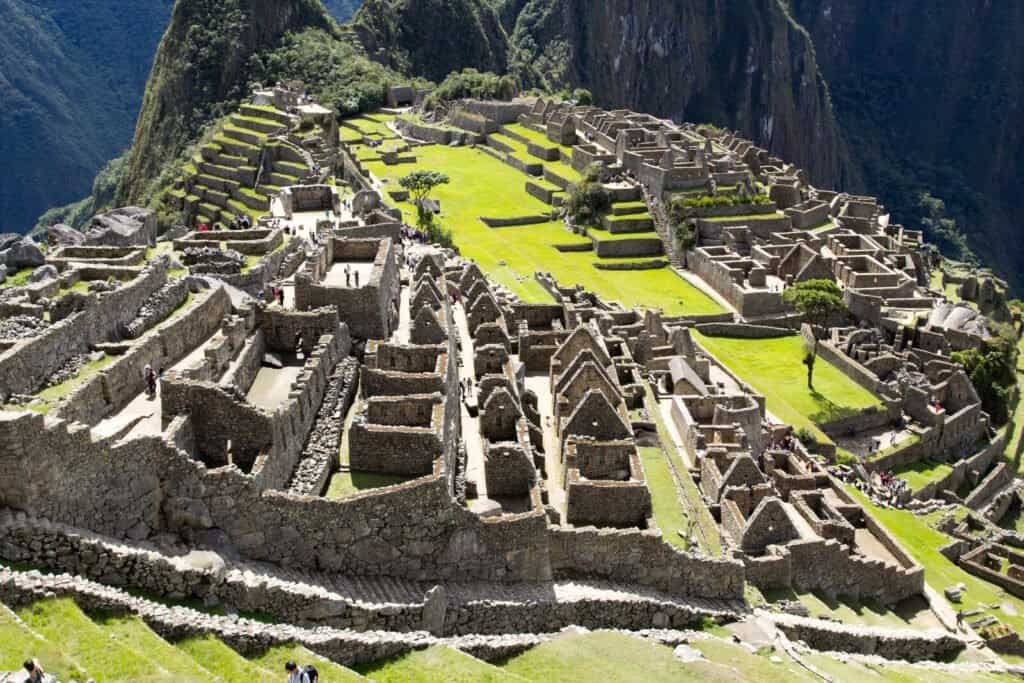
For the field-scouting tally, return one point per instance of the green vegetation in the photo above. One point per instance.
(818, 301)
(132, 633)
(274, 660)
(470, 83)
(671, 518)
(420, 183)
(720, 201)
(348, 483)
(665, 505)
(898, 446)
(483, 186)
(337, 73)
(772, 367)
(61, 621)
(993, 374)
(924, 472)
(922, 541)
(18, 278)
(435, 664)
(51, 396)
(18, 643)
(613, 657)
(588, 200)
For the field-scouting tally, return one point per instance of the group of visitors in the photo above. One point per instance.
(241, 222)
(276, 294)
(350, 274)
(301, 674)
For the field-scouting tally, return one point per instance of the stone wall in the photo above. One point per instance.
(641, 557)
(900, 644)
(112, 388)
(743, 331)
(414, 530)
(25, 366)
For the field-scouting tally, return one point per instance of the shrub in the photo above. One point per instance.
(588, 199)
(467, 83)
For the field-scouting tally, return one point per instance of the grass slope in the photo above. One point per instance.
(774, 367)
(274, 660)
(436, 664)
(105, 657)
(225, 662)
(132, 632)
(18, 643)
(613, 657)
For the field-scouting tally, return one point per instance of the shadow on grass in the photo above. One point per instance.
(830, 411)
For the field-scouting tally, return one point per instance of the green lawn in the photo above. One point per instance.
(225, 662)
(613, 657)
(437, 663)
(18, 643)
(775, 368)
(132, 632)
(923, 542)
(533, 136)
(924, 472)
(345, 484)
(668, 511)
(98, 651)
(482, 186)
(275, 658)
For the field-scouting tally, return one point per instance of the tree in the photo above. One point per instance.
(588, 199)
(818, 301)
(420, 184)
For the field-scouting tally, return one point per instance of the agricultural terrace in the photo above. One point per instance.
(775, 368)
(483, 186)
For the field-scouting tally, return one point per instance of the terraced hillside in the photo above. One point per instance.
(246, 162)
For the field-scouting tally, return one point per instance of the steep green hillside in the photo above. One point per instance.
(71, 79)
(930, 97)
(199, 73)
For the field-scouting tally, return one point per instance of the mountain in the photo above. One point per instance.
(930, 97)
(71, 79)
(72, 75)
(745, 64)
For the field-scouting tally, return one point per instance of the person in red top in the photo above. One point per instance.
(203, 227)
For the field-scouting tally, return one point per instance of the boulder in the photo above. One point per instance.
(129, 226)
(43, 273)
(3, 273)
(20, 253)
(64, 235)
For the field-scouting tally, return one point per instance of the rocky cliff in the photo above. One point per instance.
(930, 97)
(744, 64)
(200, 71)
(432, 38)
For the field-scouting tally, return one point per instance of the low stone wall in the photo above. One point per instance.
(900, 644)
(641, 557)
(639, 246)
(515, 220)
(743, 331)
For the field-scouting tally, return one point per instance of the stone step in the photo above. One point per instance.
(256, 111)
(259, 125)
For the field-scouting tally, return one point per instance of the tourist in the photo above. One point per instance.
(280, 297)
(150, 378)
(295, 674)
(357, 277)
(348, 276)
(35, 671)
(959, 620)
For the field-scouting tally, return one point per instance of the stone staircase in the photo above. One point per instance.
(663, 227)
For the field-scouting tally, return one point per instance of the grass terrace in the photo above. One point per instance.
(922, 541)
(775, 368)
(438, 663)
(924, 472)
(482, 186)
(50, 396)
(18, 278)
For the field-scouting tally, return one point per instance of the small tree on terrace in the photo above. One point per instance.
(420, 184)
(818, 301)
